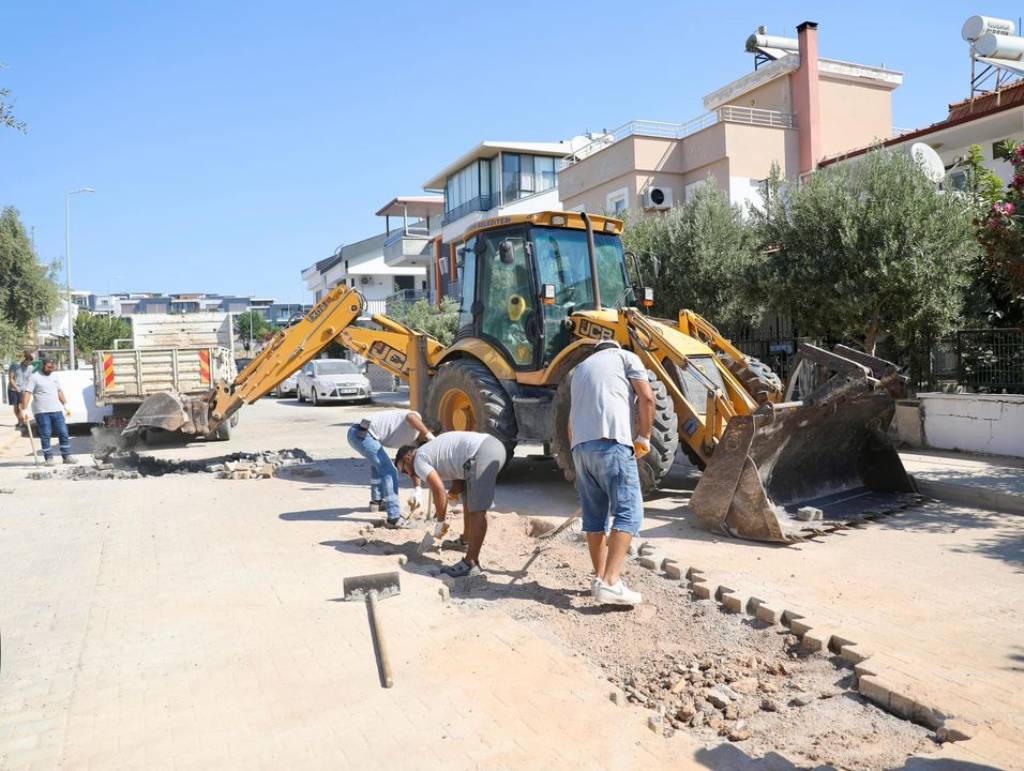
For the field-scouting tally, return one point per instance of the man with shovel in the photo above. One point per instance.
(605, 452)
(49, 407)
(472, 461)
(18, 376)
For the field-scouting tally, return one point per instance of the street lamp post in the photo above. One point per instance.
(67, 267)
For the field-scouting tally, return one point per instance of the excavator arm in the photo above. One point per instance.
(289, 350)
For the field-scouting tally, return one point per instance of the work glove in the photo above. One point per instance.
(641, 446)
(440, 529)
(430, 436)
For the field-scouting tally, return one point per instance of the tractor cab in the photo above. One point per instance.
(523, 277)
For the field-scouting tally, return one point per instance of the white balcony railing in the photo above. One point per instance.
(751, 116)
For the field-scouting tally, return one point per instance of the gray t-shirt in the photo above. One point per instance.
(44, 390)
(447, 455)
(602, 396)
(21, 376)
(391, 427)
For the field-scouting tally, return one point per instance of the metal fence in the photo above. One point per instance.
(978, 360)
(991, 360)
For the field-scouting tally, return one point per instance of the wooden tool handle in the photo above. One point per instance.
(383, 660)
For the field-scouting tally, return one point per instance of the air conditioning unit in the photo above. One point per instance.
(658, 198)
(364, 280)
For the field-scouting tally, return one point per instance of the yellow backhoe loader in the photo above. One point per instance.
(538, 291)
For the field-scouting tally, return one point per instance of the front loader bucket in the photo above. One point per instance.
(170, 411)
(829, 454)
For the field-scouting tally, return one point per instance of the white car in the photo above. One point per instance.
(332, 380)
(288, 387)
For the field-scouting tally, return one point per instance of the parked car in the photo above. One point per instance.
(288, 387)
(332, 380)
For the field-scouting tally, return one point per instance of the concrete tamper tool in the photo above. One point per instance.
(370, 588)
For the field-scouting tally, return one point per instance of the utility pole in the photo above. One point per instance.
(67, 268)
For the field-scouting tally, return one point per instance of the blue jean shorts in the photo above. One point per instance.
(609, 486)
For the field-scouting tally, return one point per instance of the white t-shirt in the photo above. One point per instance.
(391, 427)
(21, 375)
(602, 396)
(44, 390)
(447, 455)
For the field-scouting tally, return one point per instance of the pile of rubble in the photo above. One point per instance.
(717, 692)
(132, 465)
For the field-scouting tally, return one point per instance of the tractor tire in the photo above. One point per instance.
(466, 396)
(759, 380)
(653, 467)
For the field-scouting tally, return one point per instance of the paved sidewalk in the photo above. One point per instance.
(190, 622)
(988, 481)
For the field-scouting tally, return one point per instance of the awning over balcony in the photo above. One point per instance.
(418, 206)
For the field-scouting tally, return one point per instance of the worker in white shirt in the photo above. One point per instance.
(369, 437)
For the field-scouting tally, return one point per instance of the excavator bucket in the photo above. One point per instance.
(171, 412)
(797, 469)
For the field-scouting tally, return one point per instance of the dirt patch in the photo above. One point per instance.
(132, 465)
(690, 665)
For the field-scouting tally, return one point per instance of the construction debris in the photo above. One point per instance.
(132, 465)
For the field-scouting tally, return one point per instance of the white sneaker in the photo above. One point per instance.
(616, 594)
(593, 587)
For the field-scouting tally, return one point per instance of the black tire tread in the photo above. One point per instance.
(492, 400)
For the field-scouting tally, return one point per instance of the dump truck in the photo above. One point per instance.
(169, 354)
(780, 462)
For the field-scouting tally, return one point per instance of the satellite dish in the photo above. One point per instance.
(929, 161)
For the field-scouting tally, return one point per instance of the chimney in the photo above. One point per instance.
(806, 99)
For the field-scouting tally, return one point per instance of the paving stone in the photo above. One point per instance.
(672, 569)
(767, 613)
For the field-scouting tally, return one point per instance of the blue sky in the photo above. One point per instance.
(232, 144)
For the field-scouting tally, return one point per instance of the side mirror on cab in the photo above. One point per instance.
(506, 252)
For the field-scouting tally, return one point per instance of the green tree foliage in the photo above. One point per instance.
(7, 109)
(96, 333)
(252, 324)
(707, 249)
(26, 291)
(1001, 234)
(11, 340)
(440, 322)
(867, 249)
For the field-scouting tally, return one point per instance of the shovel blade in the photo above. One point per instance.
(831, 454)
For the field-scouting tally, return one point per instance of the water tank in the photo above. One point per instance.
(771, 41)
(976, 26)
(1000, 46)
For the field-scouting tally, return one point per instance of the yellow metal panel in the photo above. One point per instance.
(486, 353)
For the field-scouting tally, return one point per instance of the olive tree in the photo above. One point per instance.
(26, 291)
(865, 249)
(707, 249)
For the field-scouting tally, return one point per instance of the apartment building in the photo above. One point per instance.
(362, 265)
(795, 109)
(492, 179)
(989, 117)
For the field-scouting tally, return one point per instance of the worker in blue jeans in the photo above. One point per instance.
(49, 407)
(605, 451)
(370, 437)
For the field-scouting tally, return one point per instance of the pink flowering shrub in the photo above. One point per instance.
(1001, 231)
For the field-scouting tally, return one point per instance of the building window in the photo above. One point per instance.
(617, 201)
(510, 176)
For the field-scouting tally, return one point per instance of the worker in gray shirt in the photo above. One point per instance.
(370, 437)
(471, 461)
(605, 451)
(49, 408)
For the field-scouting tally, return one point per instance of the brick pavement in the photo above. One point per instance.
(182, 622)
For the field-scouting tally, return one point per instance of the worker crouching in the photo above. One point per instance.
(471, 461)
(369, 437)
(605, 454)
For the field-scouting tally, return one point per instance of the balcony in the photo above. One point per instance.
(479, 203)
(406, 246)
(750, 116)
